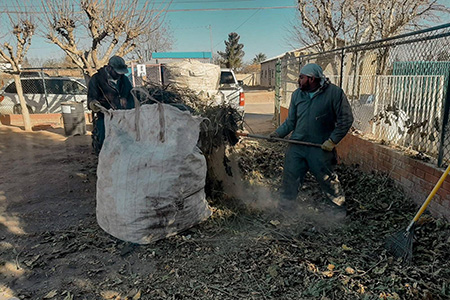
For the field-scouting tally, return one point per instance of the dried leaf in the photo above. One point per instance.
(331, 267)
(349, 270)
(346, 248)
(275, 222)
(68, 297)
(328, 273)
(31, 261)
(312, 268)
(272, 270)
(109, 294)
(137, 296)
(380, 270)
(51, 294)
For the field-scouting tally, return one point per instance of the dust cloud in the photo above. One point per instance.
(307, 209)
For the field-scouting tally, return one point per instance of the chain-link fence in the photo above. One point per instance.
(44, 90)
(146, 73)
(398, 87)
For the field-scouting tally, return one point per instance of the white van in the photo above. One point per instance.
(42, 95)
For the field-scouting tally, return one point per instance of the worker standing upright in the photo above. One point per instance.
(319, 113)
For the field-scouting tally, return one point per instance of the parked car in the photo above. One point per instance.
(42, 95)
(33, 74)
(232, 90)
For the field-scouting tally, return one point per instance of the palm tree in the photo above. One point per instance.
(259, 58)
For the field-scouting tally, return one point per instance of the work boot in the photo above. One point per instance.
(339, 200)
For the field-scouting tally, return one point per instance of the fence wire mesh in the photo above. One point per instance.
(44, 90)
(398, 88)
(146, 73)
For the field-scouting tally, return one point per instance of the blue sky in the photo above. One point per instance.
(261, 30)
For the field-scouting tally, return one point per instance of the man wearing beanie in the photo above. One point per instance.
(319, 113)
(108, 88)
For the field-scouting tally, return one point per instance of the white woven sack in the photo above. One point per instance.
(192, 74)
(151, 177)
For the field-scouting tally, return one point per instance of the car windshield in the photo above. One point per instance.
(226, 78)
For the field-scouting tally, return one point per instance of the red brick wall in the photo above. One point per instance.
(283, 114)
(416, 177)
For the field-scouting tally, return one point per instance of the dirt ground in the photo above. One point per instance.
(47, 201)
(52, 248)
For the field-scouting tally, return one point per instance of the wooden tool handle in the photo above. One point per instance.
(430, 196)
(257, 136)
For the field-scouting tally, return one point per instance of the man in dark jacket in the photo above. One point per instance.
(108, 88)
(319, 113)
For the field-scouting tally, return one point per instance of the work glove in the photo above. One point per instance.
(123, 102)
(94, 106)
(328, 145)
(273, 135)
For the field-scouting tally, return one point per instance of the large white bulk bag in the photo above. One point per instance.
(193, 74)
(151, 177)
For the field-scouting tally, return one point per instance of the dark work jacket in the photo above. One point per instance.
(102, 89)
(326, 115)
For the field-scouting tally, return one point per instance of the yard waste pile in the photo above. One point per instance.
(151, 172)
(237, 253)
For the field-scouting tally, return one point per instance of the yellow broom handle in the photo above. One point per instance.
(430, 196)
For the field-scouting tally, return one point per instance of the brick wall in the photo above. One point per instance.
(415, 176)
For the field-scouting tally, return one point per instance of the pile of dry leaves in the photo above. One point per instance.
(243, 253)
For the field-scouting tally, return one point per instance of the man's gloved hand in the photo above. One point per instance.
(328, 145)
(273, 135)
(123, 102)
(94, 106)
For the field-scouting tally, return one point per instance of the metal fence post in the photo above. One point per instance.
(341, 75)
(277, 92)
(132, 74)
(444, 125)
(45, 89)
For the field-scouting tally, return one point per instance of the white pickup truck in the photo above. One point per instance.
(231, 90)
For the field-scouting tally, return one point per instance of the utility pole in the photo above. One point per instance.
(210, 40)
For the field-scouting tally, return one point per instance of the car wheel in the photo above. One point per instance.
(17, 109)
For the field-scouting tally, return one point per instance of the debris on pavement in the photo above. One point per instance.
(241, 252)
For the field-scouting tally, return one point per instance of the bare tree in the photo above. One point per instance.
(331, 24)
(321, 23)
(328, 24)
(22, 30)
(113, 28)
(158, 40)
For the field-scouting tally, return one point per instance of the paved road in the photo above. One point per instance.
(258, 117)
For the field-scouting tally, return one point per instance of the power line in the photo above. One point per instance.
(173, 10)
(209, 1)
(241, 25)
(160, 2)
(229, 9)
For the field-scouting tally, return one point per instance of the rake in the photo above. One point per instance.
(401, 244)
